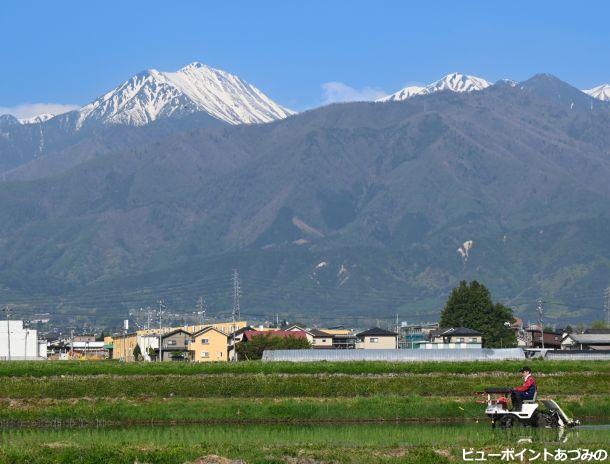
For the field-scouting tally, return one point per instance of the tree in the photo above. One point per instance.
(254, 348)
(137, 353)
(470, 305)
(599, 325)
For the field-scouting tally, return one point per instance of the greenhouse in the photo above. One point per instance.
(467, 354)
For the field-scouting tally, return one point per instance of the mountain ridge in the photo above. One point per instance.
(171, 99)
(601, 92)
(152, 94)
(454, 82)
(385, 192)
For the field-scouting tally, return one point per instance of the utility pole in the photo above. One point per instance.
(125, 329)
(148, 314)
(161, 307)
(540, 310)
(236, 310)
(7, 310)
(25, 350)
(607, 306)
(72, 343)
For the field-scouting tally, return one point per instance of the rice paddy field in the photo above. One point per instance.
(254, 412)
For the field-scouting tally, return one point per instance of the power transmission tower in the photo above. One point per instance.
(201, 309)
(7, 310)
(607, 306)
(236, 310)
(236, 294)
(540, 310)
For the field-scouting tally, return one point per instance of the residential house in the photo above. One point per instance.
(454, 337)
(534, 337)
(377, 339)
(586, 341)
(413, 335)
(209, 344)
(175, 345)
(320, 339)
(226, 327)
(518, 329)
(88, 350)
(343, 339)
(249, 334)
(317, 338)
(123, 346)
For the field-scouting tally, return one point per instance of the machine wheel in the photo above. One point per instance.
(506, 422)
(546, 419)
(535, 419)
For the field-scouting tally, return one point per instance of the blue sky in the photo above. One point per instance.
(301, 54)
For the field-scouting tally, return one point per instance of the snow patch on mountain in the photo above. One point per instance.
(454, 82)
(36, 119)
(152, 94)
(464, 250)
(601, 92)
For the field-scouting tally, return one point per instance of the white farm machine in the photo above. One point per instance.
(533, 413)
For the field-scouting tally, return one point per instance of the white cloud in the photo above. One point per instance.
(29, 110)
(334, 92)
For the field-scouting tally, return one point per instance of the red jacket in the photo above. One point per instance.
(530, 382)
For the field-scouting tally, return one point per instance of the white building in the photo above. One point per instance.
(147, 344)
(19, 343)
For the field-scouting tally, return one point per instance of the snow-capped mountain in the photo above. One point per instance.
(601, 92)
(36, 119)
(405, 93)
(153, 94)
(454, 82)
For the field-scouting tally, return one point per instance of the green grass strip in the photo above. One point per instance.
(220, 410)
(297, 385)
(276, 444)
(54, 368)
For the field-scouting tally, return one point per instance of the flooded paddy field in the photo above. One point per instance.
(87, 412)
